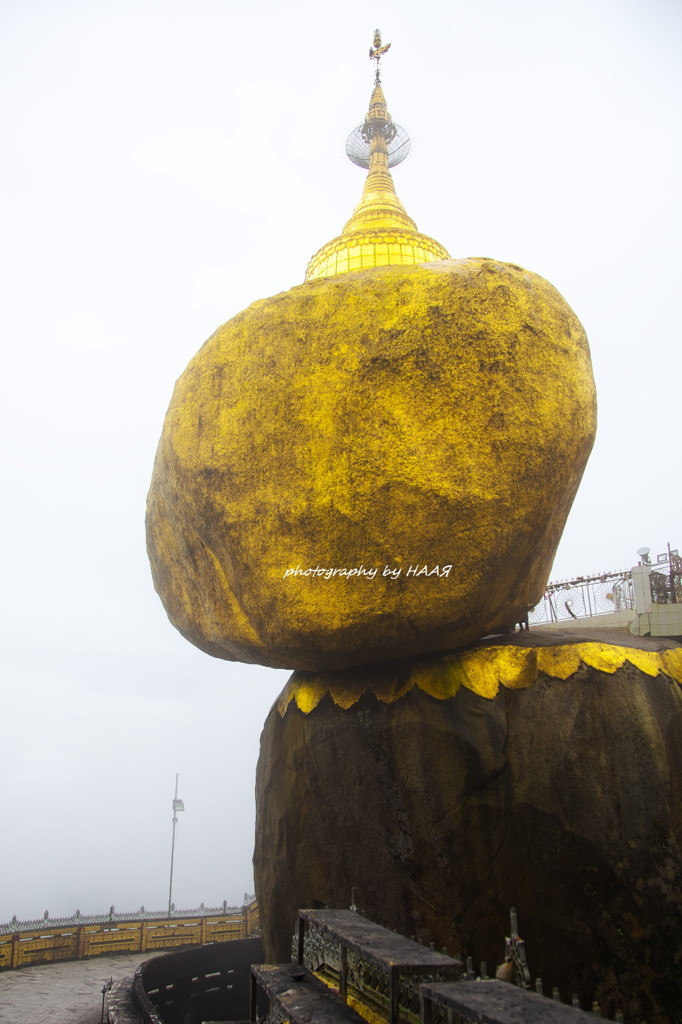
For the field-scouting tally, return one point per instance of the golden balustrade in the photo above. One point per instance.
(82, 936)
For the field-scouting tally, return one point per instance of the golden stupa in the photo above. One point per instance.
(378, 462)
(379, 233)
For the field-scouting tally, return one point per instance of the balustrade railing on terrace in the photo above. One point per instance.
(584, 597)
(402, 982)
(608, 592)
(47, 939)
(384, 969)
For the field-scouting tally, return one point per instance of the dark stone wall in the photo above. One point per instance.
(563, 800)
(210, 982)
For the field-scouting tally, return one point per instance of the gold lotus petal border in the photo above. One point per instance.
(483, 671)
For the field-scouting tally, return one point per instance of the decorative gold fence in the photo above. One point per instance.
(76, 938)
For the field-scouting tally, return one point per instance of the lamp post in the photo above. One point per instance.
(178, 805)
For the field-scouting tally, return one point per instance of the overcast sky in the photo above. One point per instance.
(166, 164)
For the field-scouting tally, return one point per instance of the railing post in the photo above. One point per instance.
(394, 995)
(301, 939)
(143, 936)
(641, 588)
(14, 959)
(80, 942)
(253, 1002)
(343, 979)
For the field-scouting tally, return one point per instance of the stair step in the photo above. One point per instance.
(301, 996)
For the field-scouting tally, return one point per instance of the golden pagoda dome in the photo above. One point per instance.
(380, 233)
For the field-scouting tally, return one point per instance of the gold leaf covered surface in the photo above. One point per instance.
(402, 416)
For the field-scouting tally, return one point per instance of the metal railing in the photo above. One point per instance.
(514, 973)
(584, 597)
(604, 594)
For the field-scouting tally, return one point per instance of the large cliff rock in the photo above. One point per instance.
(394, 419)
(447, 789)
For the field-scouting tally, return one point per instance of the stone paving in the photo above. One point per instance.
(62, 993)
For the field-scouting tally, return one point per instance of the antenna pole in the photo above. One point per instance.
(177, 806)
(671, 569)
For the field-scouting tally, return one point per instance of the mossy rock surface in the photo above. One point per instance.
(390, 420)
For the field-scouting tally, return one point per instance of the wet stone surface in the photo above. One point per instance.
(62, 993)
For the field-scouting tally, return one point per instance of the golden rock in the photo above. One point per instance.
(388, 421)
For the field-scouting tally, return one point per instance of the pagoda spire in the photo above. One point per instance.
(379, 232)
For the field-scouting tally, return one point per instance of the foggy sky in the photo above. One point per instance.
(164, 166)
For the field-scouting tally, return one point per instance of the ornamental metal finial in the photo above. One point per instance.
(376, 51)
(379, 233)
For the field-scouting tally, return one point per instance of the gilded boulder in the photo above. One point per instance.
(426, 426)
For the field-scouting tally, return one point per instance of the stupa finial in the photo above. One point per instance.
(376, 52)
(379, 233)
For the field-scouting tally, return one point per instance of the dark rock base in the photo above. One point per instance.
(563, 800)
